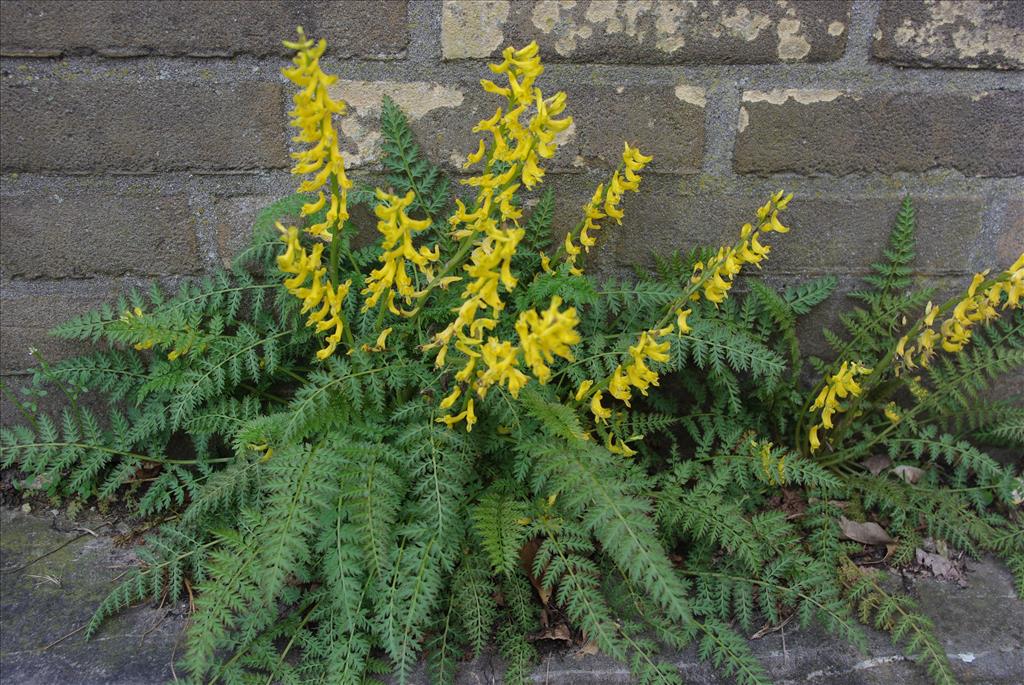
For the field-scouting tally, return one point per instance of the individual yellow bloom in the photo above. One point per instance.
(466, 414)
(381, 344)
(448, 401)
(619, 386)
(581, 392)
(681, 326)
(618, 446)
(814, 439)
(545, 263)
(475, 157)
(601, 414)
(891, 413)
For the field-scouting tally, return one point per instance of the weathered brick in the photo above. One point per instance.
(966, 34)
(829, 234)
(51, 125)
(661, 32)
(1009, 244)
(26, 318)
(199, 28)
(89, 233)
(603, 117)
(235, 217)
(828, 132)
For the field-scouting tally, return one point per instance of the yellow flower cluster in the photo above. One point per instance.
(314, 108)
(764, 450)
(979, 304)
(322, 160)
(397, 228)
(721, 270)
(511, 160)
(542, 337)
(608, 200)
(319, 296)
(839, 386)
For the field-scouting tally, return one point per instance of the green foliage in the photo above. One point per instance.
(332, 529)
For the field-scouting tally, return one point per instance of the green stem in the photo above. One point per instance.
(123, 453)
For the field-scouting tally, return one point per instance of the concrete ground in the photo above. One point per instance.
(54, 572)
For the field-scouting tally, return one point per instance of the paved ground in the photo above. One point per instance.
(55, 572)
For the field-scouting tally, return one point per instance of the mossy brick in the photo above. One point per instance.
(204, 28)
(658, 32)
(661, 119)
(954, 35)
(27, 317)
(815, 132)
(54, 125)
(89, 233)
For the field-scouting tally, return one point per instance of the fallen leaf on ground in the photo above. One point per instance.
(867, 533)
(876, 464)
(939, 566)
(910, 474)
(589, 648)
(559, 631)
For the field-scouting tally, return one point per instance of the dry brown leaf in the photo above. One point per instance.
(589, 648)
(527, 553)
(867, 533)
(877, 464)
(559, 631)
(939, 565)
(910, 474)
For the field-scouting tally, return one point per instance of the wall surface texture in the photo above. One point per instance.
(139, 139)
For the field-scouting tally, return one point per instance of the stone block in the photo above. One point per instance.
(27, 317)
(51, 125)
(813, 132)
(658, 32)
(210, 28)
(967, 34)
(65, 235)
(664, 121)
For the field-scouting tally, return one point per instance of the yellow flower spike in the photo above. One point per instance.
(583, 389)
(681, 326)
(500, 359)
(601, 414)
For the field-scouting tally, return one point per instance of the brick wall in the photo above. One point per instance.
(139, 139)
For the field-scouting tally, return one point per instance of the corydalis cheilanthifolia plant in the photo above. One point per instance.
(386, 440)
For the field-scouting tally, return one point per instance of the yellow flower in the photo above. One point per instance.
(397, 248)
(718, 274)
(448, 401)
(381, 343)
(583, 389)
(312, 115)
(618, 447)
(320, 292)
(681, 326)
(601, 414)
(838, 386)
(891, 413)
(546, 336)
(500, 358)
(815, 440)
(466, 414)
